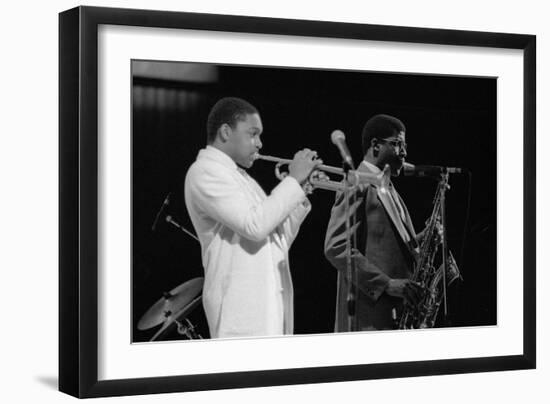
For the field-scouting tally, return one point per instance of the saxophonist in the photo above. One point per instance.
(386, 242)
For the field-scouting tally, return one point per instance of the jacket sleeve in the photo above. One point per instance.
(372, 281)
(217, 193)
(290, 227)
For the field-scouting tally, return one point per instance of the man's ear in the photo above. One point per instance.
(375, 146)
(224, 132)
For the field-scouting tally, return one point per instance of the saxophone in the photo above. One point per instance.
(433, 280)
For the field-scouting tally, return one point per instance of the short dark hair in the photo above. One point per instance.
(380, 127)
(227, 110)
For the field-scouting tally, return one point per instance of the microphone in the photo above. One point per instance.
(339, 139)
(162, 207)
(412, 170)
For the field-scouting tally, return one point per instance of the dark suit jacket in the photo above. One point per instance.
(385, 250)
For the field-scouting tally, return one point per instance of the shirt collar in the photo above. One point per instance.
(210, 152)
(371, 167)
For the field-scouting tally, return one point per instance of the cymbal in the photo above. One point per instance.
(176, 318)
(171, 303)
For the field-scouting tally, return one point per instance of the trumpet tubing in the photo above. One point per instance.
(352, 178)
(322, 167)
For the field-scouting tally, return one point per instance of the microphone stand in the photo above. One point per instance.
(351, 273)
(170, 219)
(165, 203)
(444, 183)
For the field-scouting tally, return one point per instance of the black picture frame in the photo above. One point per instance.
(78, 200)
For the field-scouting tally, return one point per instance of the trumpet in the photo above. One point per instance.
(319, 178)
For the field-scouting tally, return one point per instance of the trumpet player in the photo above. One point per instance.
(245, 235)
(386, 240)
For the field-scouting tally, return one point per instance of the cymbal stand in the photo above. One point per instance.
(187, 329)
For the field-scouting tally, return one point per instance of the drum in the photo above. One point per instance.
(172, 311)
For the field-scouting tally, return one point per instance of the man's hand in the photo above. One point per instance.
(303, 164)
(411, 292)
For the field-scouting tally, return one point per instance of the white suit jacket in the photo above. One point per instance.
(245, 237)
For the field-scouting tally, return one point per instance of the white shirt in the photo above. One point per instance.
(245, 236)
(393, 193)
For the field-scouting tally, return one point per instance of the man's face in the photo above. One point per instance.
(392, 151)
(244, 140)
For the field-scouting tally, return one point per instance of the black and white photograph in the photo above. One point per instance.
(259, 192)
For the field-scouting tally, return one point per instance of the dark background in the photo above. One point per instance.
(450, 121)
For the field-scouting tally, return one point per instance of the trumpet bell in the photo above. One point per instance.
(360, 179)
(320, 179)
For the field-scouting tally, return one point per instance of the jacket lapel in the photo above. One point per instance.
(393, 212)
(408, 221)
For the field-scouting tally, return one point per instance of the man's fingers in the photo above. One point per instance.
(415, 286)
(311, 154)
(414, 292)
(410, 296)
(306, 154)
